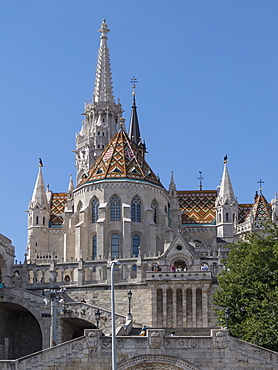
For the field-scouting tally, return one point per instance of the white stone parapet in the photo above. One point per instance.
(179, 275)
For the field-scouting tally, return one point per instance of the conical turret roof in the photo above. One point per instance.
(39, 194)
(226, 193)
(121, 160)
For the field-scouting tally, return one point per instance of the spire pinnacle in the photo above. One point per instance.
(103, 91)
(134, 131)
(226, 193)
(103, 29)
(39, 193)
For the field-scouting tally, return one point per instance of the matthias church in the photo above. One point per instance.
(170, 244)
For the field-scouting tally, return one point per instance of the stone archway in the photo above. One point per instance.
(20, 332)
(150, 362)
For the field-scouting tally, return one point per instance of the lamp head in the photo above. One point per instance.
(115, 262)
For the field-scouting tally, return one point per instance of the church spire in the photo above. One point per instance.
(39, 193)
(226, 193)
(102, 115)
(226, 207)
(103, 91)
(134, 130)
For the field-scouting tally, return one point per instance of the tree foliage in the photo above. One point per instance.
(248, 287)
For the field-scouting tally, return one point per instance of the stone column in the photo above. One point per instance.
(154, 306)
(205, 308)
(194, 308)
(184, 321)
(174, 292)
(164, 295)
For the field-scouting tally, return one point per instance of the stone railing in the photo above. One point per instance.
(179, 275)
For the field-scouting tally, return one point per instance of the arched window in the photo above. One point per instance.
(94, 251)
(135, 245)
(136, 209)
(115, 208)
(37, 220)
(95, 206)
(227, 217)
(154, 207)
(219, 216)
(115, 246)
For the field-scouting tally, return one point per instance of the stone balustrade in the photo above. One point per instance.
(179, 275)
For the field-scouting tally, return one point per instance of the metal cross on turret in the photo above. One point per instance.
(260, 182)
(200, 178)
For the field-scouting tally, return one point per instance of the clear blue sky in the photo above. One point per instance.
(207, 86)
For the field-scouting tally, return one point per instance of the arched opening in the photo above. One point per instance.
(73, 328)
(20, 332)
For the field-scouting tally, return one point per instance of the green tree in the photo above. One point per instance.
(248, 287)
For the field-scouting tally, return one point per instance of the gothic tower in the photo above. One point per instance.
(226, 207)
(102, 114)
(38, 219)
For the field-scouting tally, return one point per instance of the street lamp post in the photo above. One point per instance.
(97, 315)
(129, 294)
(55, 301)
(114, 354)
(53, 311)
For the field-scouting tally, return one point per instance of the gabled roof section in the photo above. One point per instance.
(197, 206)
(121, 160)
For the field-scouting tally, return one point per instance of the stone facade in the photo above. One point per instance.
(155, 351)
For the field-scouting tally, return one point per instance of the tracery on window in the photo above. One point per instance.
(95, 207)
(136, 209)
(115, 208)
(135, 245)
(114, 246)
(154, 207)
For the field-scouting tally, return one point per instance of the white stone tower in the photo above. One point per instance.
(102, 115)
(38, 219)
(226, 207)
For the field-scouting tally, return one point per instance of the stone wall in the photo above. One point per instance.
(155, 351)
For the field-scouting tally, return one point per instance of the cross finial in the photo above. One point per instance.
(103, 29)
(134, 82)
(200, 178)
(260, 182)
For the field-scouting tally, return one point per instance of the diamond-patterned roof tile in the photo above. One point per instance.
(121, 159)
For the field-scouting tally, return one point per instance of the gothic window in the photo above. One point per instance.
(154, 207)
(94, 251)
(227, 217)
(37, 220)
(115, 208)
(43, 221)
(115, 246)
(136, 209)
(95, 206)
(135, 245)
(219, 216)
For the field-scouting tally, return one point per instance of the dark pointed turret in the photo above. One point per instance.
(134, 130)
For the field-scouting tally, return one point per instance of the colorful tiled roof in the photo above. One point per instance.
(197, 206)
(58, 203)
(243, 212)
(120, 160)
(261, 209)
